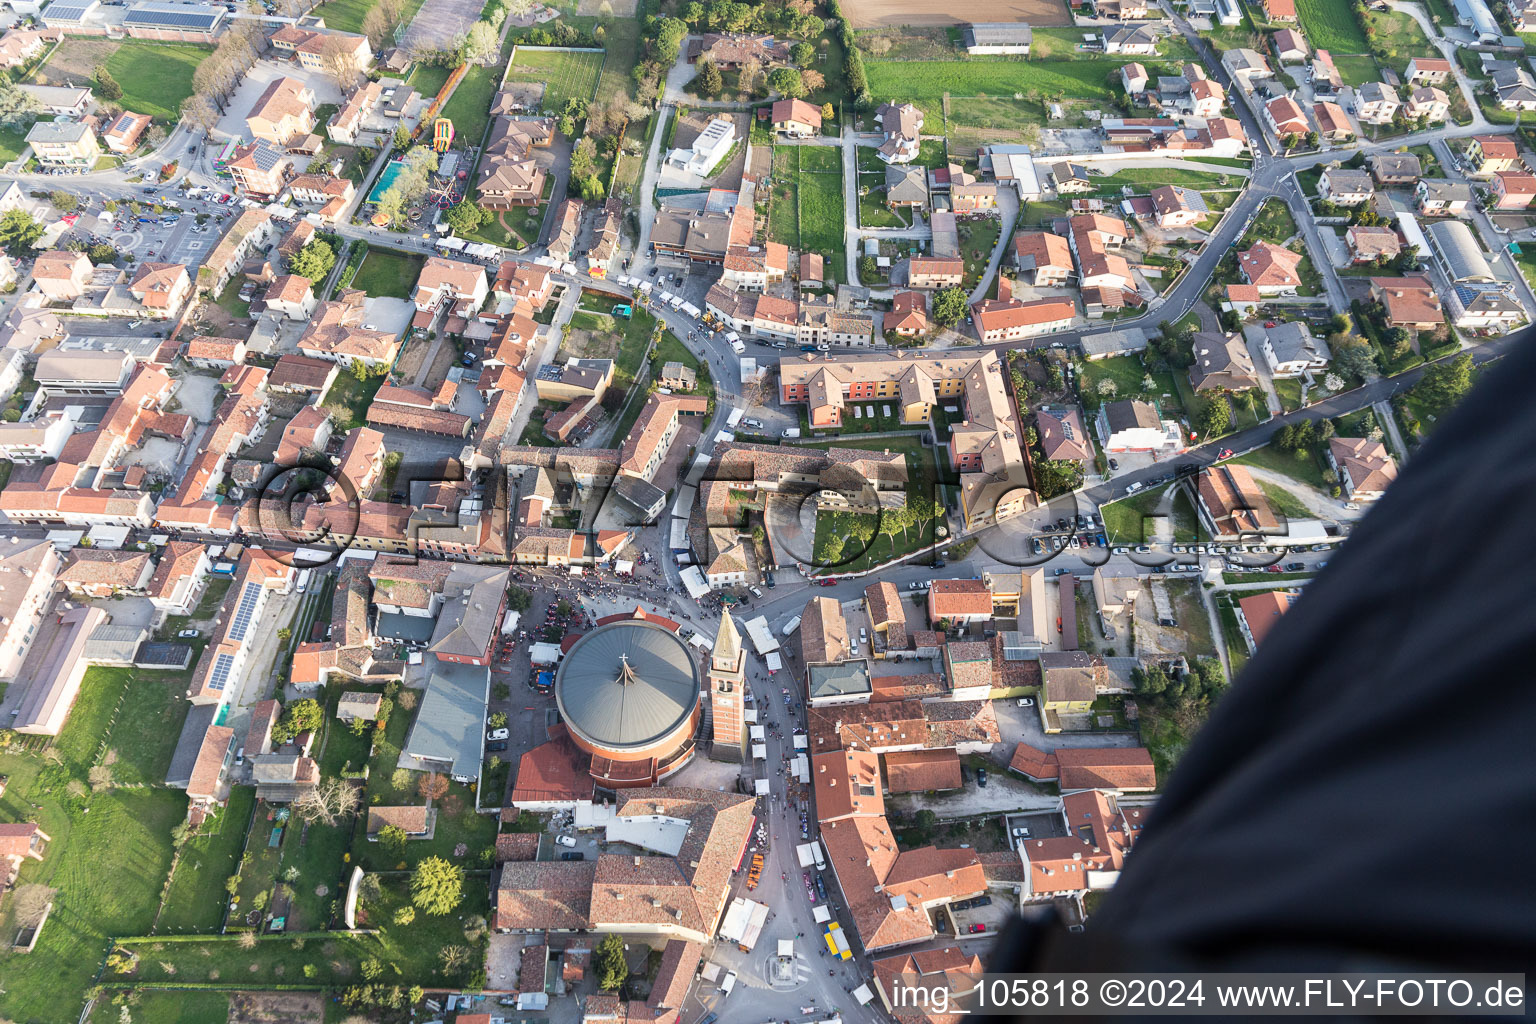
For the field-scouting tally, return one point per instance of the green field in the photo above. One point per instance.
(388, 274)
(807, 213)
(347, 15)
(1330, 25)
(155, 77)
(1398, 39)
(196, 899)
(567, 74)
(1357, 70)
(988, 87)
(469, 108)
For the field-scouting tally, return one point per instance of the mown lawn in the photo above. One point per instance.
(388, 274)
(1398, 38)
(469, 108)
(852, 541)
(924, 83)
(195, 902)
(155, 77)
(1307, 468)
(457, 823)
(163, 1006)
(349, 398)
(1125, 520)
(1129, 374)
(409, 954)
(820, 187)
(347, 15)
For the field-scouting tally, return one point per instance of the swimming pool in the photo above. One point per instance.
(387, 176)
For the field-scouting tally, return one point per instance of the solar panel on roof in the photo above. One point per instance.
(243, 614)
(222, 664)
(68, 11)
(172, 18)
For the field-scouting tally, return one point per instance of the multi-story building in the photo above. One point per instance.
(64, 144)
(260, 170)
(285, 110)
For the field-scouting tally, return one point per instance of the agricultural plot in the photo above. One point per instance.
(566, 74)
(1331, 26)
(805, 209)
(988, 94)
(878, 13)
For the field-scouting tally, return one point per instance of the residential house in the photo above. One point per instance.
(1327, 82)
(252, 230)
(64, 144)
(284, 112)
(180, 577)
(1062, 435)
(1222, 363)
(35, 564)
(1288, 348)
(1043, 259)
(1489, 154)
(906, 185)
(902, 126)
(1270, 269)
(1245, 65)
(291, 296)
(214, 353)
(1515, 88)
(1070, 682)
(754, 268)
(1332, 123)
(1012, 320)
(1257, 614)
(1286, 117)
(935, 272)
(1394, 168)
(729, 51)
(1428, 71)
(260, 170)
(1291, 46)
(909, 315)
(1429, 104)
(102, 573)
(1345, 186)
(1441, 197)
(974, 196)
(60, 101)
(20, 841)
(1483, 307)
(1133, 78)
(122, 135)
(20, 45)
(1131, 40)
(162, 289)
(959, 602)
(796, 118)
(444, 281)
(1514, 190)
(1231, 503)
(509, 174)
(62, 274)
(1178, 207)
(1070, 178)
(1376, 103)
(1365, 467)
(1280, 11)
(1206, 97)
(1131, 425)
(1371, 244)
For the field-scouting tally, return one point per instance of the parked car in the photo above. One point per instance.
(497, 734)
(497, 747)
(1295, 566)
(981, 778)
(573, 855)
(977, 928)
(1026, 702)
(566, 840)
(187, 634)
(1021, 831)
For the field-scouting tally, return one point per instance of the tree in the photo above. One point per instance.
(518, 599)
(64, 202)
(106, 86)
(437, 887)
(405, 916)
(480, 42)
(1216, 419)
(18, 231)
(392, 838)
(338, 60)
(827, 113)
(1354, 358)
(101, 252)
(1107, 388)
(300, 716)
(802, 54)
(608, 960)
(327, 802)
(709, 80)
(1445, 384)
(314, 261)
(868, 268)
(786, 82)
(402, 137)
(466, 217)
(949, 306)
(378, 30)
(667, 39)
(811, 80)
(584, 158)
(432, 786)
(497, 720)
(17, 107)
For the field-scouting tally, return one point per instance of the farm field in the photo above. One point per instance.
(567, 74)
(877, 13)
(1331, 26)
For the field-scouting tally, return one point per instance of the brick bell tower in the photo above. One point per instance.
(727, 690)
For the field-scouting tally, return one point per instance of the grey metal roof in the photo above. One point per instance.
(1129, 339)
(115, 645)
(58, 131)
(998, 33)
(1463, 259)
(626, 684)
(199, 718)
(447, 728)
